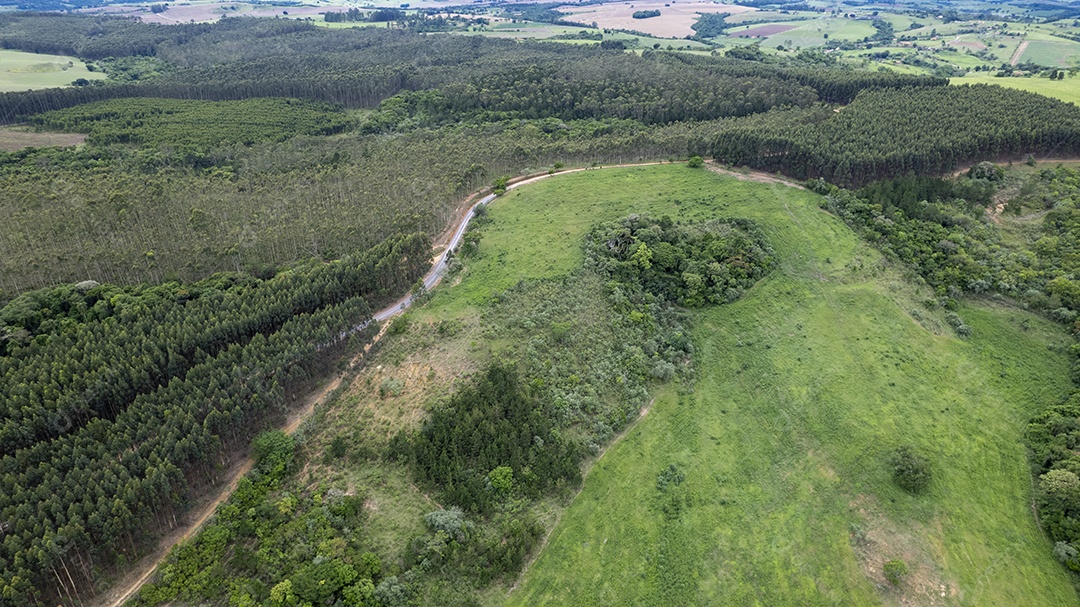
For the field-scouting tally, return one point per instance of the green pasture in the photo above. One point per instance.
(21, 71)
(1065, 90)
(1058, 52)
(804, 386)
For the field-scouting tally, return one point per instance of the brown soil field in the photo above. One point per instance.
(12, 139)
(978, 46)
(765, 31)
(674, 21)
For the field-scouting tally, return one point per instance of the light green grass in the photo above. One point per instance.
(804, 386)
(1058, 52)
(1065, 90)
(21, 71)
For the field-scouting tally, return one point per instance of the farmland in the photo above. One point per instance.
(21, 71)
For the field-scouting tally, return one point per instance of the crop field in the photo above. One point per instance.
(803, 388)
(674, 20)
(1065, 90)
(1062, 53)
(802, 33)
(21, 71)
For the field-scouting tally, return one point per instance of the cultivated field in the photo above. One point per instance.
(804, 387)
(674, 21)
(21, 71)
(1065, 90)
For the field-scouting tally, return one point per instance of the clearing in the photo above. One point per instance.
(21, 71)
(674, 20)
(804, 387)
(1065, 90)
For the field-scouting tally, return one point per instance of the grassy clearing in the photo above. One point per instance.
(17, 138)
(1065, 90)
(805, 385)
(21, 71)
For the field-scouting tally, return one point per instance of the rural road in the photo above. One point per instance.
(129, 584)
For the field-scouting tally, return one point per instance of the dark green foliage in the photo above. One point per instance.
(198, 124)
(910, 471)
(266, 544)
(710, 25)
(645, 14)
(691, 265)
(894, 571)
(487, 425)
(132, 342)
(883, 133)
(695, 162)
(169, 424)
(1053, 438)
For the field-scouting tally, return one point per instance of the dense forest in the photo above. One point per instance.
(105, 445)
(267, 184)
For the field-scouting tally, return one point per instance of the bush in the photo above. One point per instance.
(911, 471)
(695, 162)
(895, 570)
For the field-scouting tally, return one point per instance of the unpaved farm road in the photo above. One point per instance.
(129, 584)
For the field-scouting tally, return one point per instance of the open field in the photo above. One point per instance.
(1060, 53)
(804, 387)
(674, 20)
(17, 138)
(21, 71)
(1065, 90)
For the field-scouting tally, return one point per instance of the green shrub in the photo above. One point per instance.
(895, 570)
(911, 471)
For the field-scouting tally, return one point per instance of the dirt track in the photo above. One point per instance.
(133, 581)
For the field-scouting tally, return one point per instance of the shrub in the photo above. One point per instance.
(895, 570)
(911, 471)
(695, 162)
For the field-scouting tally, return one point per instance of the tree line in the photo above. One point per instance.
(886, 133)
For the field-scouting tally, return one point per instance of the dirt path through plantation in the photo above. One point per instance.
(130, 583)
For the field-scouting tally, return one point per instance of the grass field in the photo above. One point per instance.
(1065, 90)
(21, 71)
(804, 387)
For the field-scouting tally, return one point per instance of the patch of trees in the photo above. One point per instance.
(197, 124)
(79, 498)
(1053, 437)
(491, 439)
(691, 265)
(885, 133)
(645, 14)
(351, 15)
(710, 25)
(270, 546)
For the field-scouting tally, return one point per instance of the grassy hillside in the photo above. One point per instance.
(805, 387)
(21, 71)
(1065, 90)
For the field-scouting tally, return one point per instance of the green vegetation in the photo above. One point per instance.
(881, 134)
(197, 124)
(21, 71)
(1065, 90)
(790, 462)
(94, 381)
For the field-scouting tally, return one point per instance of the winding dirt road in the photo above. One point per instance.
(133, 581)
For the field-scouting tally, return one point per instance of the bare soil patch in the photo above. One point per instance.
(674, 21)
(765, 31)
(968, 44)
(1019, 51)
(12, 139)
